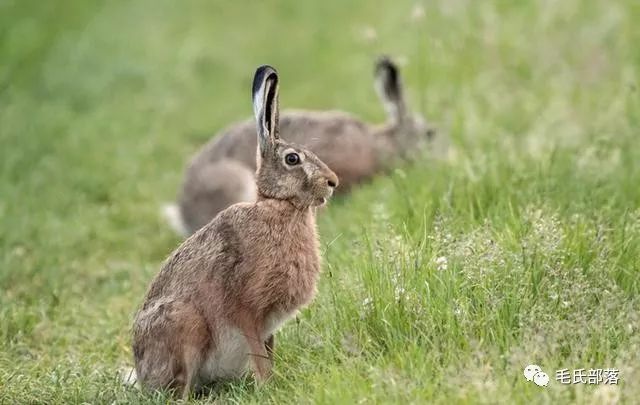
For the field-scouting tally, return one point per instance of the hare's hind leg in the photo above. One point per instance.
(213, 187)
(170, 352)
(193, 360)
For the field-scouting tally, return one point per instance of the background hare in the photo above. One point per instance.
(222, 172)
(223, 293)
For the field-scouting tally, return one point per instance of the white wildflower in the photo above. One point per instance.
(442, 263)
(369, 34)
(367, 305)
(418, 12)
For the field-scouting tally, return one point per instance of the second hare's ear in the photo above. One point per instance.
(265, 107)
(389, 88)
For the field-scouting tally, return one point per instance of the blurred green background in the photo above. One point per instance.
(442, 280)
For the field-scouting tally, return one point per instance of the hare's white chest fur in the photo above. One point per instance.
(275, 320)
(230, 358)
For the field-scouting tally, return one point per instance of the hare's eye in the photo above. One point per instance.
(292, 159)
(431, 133)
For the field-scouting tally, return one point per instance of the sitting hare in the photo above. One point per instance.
(221, 296)
(222, 172)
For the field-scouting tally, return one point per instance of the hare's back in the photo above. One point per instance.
(236, 142)
(206, 257)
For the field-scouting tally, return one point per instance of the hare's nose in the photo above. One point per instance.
(332, 180)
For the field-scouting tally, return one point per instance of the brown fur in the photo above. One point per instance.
(222, 294)
(353, 149)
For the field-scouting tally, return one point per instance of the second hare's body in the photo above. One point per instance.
(358, 155)
(219, 298)
(219, 174)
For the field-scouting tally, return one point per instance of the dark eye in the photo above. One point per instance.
(431, 133)
(292, 159)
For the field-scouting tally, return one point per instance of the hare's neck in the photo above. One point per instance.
(287, 211)
(283, 206)
(294, 233)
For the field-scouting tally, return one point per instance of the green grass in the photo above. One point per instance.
(536, 208)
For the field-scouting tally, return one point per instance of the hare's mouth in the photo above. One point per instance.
(322, 200)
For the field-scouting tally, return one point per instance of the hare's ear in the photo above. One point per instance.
(389, 88)
(265, 106)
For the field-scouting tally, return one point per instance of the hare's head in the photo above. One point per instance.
(285, 171)
(409, 131)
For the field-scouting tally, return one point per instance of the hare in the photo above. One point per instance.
(221, 296)
(221, 173)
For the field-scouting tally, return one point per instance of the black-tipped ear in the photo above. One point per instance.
(265, 106)
(389, 88)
